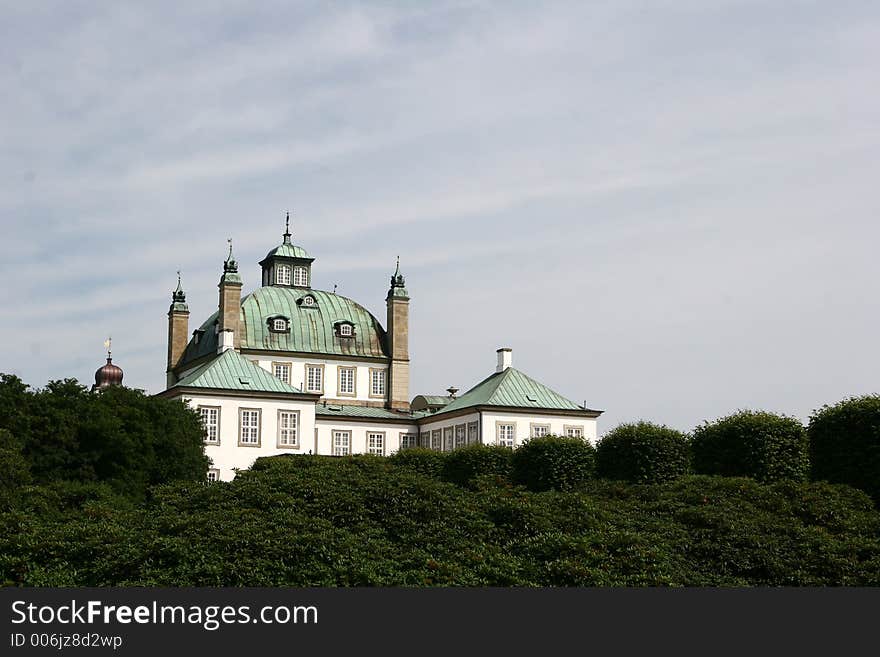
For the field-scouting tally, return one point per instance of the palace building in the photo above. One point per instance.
(291, 369)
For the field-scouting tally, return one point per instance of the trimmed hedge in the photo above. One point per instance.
(642, 453)
(845, 443)
(757, 444)
(465, 464)
(425, 461)
(553, 463)
(325, 521)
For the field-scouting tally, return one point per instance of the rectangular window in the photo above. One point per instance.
(460, 437)
(574, 431)
(473, 435)
(288, 423)
(213, 475)
(315, 378)
(540, 430)
(376, 443)
(448, 439)
(301, 276)
(249, 427)
(281, 371)
(436, 440)
(425, 440)
(506, 434)
(377, 383)
(341, 443)
(408, 440)
(346, 381)
(211, 419)
(282, 275)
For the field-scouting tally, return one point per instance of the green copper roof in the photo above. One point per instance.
(352, 411)
(231, 371)
(437, 400)
(312, 329)
(511, 388)
(289, 251)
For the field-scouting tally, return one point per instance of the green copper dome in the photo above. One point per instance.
(312, 325)
(288, 250)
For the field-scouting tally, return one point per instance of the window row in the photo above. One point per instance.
(449, 438)
(376, 445)
(346, 379)
(250, 427)
(284, 274)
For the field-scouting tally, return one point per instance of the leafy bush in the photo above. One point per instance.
(465, 464)
(642, 452)
(845, 443)
(425, 461)
(320, 521)
(119, 436)
(553, 463)
(764, 446)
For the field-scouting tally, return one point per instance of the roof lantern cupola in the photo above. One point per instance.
(398, 284)
(287, 265)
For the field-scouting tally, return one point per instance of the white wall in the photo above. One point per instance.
(445, 422)
(359, 431)
(229, 455)
(523, 424)
(331, 375)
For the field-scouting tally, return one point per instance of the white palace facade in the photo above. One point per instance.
(291, 369)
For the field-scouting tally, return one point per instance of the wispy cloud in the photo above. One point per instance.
(665, 207)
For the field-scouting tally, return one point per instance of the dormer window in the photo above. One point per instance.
(282, 274)
(308, 301)
(345, 329)
(279, 324)
(300, 276)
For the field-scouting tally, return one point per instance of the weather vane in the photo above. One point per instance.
(107, 344)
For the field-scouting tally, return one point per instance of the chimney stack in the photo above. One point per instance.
(505, 359)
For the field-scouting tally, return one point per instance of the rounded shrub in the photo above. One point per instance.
(464, 465)
(425, 461)
(845, 443)
(643, 453)
(764, 446)
(553, 463)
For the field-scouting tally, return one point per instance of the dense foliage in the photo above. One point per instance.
(317, 521)
(764, 446)
(119, 436)
(845, 443)
(642, 452)
(553, 463)
(466, 465)
(420, 459)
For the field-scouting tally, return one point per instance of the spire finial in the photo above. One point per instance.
(230, 266)
(108, 343)
(287, 228)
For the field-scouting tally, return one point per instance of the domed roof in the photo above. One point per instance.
(288, 250)
(311, 327)
(108, 375)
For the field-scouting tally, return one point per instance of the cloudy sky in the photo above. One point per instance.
(668, 209)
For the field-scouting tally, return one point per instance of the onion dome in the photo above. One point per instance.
(108, 374)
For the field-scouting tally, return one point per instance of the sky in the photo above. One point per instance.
(667, 209)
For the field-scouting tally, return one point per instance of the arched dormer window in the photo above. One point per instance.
(307, 301)
(278, 324)
(344, 329)
(282, 274)
(301, 276)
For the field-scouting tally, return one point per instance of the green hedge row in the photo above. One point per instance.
(319, 521)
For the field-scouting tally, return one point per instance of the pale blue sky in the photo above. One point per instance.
(668, 209)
